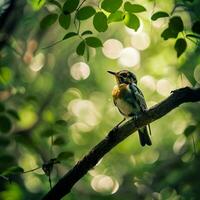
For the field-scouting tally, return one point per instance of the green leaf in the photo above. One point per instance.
(176, 24)
(135, 8)
(70, 6)
(61, 126)
(100, 22)
(196, 27)
(65, 155)
(159, 14)
(169, 33)
(116, 16)
(64, 20)
(132, 21)
(5, 124)
(56, 3)
(193, 36)
(93, 42)
(80, 48)
(189, 130)
(69, 35)
(180, 46)
(59, 141)
(2, 107)
(85, 13)
(88, 32)
(48, 21)
(111, 5)
(13, 113)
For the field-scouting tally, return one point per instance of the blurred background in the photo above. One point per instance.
(54, 101)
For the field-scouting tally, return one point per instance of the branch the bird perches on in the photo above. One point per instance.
(117, 135)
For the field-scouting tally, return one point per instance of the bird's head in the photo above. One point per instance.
(124, 76)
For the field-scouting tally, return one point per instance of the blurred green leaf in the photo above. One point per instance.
(49, 132)
(13, 113)
(61, 122)
(196, 27)
(169, 33)
(36, 5)
(93, 42)
(111, 5)
(132, 21)
(116, 16)
(180, 46)
(189, 130)
(48, 20)
(64, 20)
(59, 141)
(70, 6)
(85, 13)
(13, 170)
(6, 158)
(159, 14)
(6, 75)
(5, 124)
(81, 48)
(65, 155)
(69, 35)
(56, 3)
(60, 126)
(176, 24)
(100, 22)
(2, 107)
(135, 8)
(88, 32)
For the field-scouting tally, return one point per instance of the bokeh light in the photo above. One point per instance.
(178, 145)
(197, 73)
(85, 111)
(80, 71)
(151, 158)
(129, 57)
(112, 48)
(104, 184)
(149, 82)
(37, 62)
(164, 87)
(140, 41)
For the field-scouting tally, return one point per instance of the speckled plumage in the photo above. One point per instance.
(129, 100)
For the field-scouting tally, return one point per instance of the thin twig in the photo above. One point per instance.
(31, 170)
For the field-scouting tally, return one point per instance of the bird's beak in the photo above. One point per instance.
(113, 73)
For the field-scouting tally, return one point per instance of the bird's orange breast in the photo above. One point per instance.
(118, 91)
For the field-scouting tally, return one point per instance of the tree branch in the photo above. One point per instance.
(115, 136)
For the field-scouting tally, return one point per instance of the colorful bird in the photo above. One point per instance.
(130, 101)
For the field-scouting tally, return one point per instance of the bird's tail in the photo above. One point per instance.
(144, 136)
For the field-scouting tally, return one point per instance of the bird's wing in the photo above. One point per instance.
(138, 96)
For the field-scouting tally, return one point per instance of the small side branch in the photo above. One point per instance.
(115, 136)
